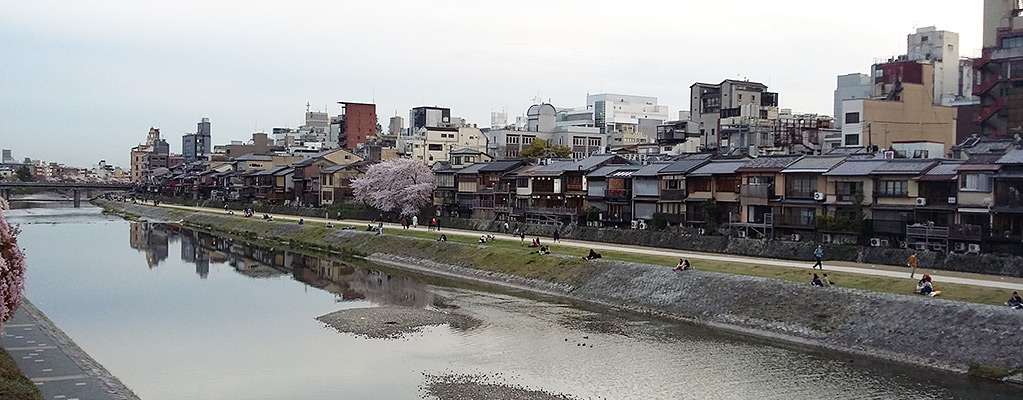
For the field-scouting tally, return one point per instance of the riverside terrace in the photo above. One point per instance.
(970, 204)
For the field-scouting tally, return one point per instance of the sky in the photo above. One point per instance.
(84, 81)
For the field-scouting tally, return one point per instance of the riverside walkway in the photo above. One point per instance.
(54, 363)
(981, 280)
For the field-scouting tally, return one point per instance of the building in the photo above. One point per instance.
(155, 153)
(358, 123)
(941, 50)
(901, 110)
(197, 146)
(541, 123)
(626, 114)
(743, 109)
(498, 120)
(435, 144)
(999, 71)
(851, 87)
(396, 126)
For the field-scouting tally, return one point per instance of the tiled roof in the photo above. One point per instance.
(1013, 156)
(814, 164)
(974, 146)
(855, 168)
(847, 150)
(501, 166)
(945, 167)
(719, 167)
(912, 166)
(770, 163)
(652, 169)
(465, 150)
(1014, 173)
(253, 157)
(684, 165)
(472, 169)
(602, 172)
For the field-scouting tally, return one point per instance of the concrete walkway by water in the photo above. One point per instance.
(863, 269)
(58, 367)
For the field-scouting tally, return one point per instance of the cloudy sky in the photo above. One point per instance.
(82, 81)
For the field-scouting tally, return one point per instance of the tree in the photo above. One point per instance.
(402, 185)
(12, 268)
(25, 174)
(541, 148)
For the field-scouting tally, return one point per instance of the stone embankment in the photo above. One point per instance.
(921, 330)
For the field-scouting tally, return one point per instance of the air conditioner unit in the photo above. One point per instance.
(819, 196)
(635, 224)
(920, 201)
(903, 244)
(951, 200)
(642, 224)
(703, 231)
(884, 242)
(920, 246)
(973, 248)
(826, 238)
(742, 234)
(796, 237)
(960, 247)
(875, 242)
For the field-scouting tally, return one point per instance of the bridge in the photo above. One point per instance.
(75, 187)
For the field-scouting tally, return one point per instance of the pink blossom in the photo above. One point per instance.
(402, 185)
(12, 268)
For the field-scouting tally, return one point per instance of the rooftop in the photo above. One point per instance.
(855, 168)
(814, 164)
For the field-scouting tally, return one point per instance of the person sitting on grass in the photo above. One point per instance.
(683, 265)
(442, 238)
(925, 287)
(593, 255)
(536, 243)
(1015, 301)
(330, 225)
(816, 281)
(827, 282)
(483, 239)
(544, 250)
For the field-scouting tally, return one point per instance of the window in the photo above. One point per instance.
(528, 139)
(578, 141)
(801, 187)
(595, 142)
(975, 182)
(522, 182)
(852, 140)
(578, 154)
(513, 139)
(893, 188)
(920, 153)
(852, 118)
(456, 160)
(436, 147)
(511, 154)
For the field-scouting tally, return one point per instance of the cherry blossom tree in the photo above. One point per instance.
(402, 185)
(12, 268)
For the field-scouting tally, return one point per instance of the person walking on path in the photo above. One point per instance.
(415, 221)
(912, 264)
(506, 227)
(556, 236)
(818, 253)
(522, 237)
(433, 224)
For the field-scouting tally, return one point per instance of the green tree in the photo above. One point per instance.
(25, 174)
(540, 148)
(712, 218)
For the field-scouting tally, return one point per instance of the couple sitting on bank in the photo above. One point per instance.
(683, 264)
(541, 251)
(925, 287)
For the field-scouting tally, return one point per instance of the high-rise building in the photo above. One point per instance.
(747, 106)
(999, 71)
(358, 123)
(851, 87)
(623, 113)
(498, 120)
(197, 146)
(941, 49)
(395, 126)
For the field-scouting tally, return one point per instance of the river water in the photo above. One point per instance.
(178, 314)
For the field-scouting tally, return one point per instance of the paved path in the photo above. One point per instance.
(58, 367)
(863, 269)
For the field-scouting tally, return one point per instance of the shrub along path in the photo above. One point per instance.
(976, 288)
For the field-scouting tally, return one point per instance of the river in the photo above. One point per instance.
(179, 314)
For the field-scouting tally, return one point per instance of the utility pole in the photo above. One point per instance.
(870, 140)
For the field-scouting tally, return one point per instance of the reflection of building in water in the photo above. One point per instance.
(192, 252)
(153, 242)
(353, 283)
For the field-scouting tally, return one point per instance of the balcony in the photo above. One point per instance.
(618, 194)
(673, 194)
(887, 227)
(757, 191)
(550, 210)
(795, 221)
(620, 217)
(799, 194)
(966, 232)
(989, 111)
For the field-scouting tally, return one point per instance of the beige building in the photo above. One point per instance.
(901, 111)
(436, 144)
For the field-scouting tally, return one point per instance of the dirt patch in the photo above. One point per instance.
(483, 387)
(393, 322)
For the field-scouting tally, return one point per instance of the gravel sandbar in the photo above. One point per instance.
(393, 322)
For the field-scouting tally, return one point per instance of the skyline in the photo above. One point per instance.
(112, 76)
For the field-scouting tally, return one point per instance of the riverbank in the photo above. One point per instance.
(936, 333)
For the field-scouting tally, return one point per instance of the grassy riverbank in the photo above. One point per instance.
(15, 385)
(513, 257)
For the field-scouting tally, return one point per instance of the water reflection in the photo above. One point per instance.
(345, 281)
